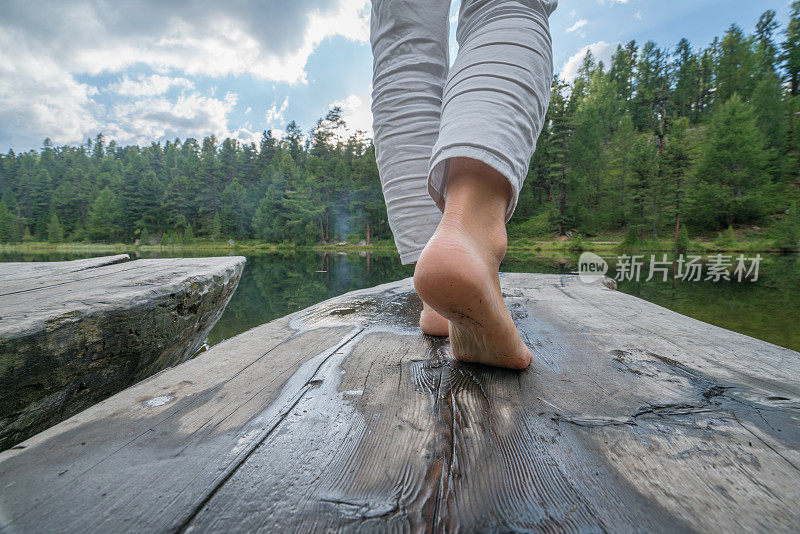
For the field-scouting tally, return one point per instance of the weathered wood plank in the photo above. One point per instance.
(344, 417)
(74, 333)
(30, 272)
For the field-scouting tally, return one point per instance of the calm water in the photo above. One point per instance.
(274, 285)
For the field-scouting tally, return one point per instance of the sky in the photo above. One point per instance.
(152, 70)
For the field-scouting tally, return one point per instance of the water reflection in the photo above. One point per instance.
(276, 284)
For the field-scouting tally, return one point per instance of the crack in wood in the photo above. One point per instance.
(258, 440)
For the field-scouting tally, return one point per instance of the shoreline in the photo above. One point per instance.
(514, 245)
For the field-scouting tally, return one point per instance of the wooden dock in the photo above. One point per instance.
(75, 332)
(343, 417)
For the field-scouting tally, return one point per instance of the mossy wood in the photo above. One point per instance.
(343, 417)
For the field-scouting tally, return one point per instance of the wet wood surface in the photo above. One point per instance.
(75, 332)
(343, 417)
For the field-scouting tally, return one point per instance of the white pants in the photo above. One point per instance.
(490, 106)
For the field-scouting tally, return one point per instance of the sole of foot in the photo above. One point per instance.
(459, 279)
(433, 324)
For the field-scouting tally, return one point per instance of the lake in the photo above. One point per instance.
(276, 284)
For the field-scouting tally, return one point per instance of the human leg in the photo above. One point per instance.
(410, 61)
(493, 108)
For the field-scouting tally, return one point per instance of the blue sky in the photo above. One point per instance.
(184, 68)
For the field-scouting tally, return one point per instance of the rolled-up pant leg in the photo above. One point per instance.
(410, 60)
(497, 91)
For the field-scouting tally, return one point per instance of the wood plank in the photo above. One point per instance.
(632, 417)
(71, 335)
(31, 270)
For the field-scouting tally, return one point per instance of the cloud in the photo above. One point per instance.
(601, 50)
(356, 113)
(36, 93)
(269, 39)
(578, 25)
(145, 119)
(46, 47)
(275, 113)
(613, 2)
(638, 14)
(152, 85)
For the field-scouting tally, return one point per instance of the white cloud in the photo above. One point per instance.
(613, 2)
(578, 25)
(601, 50)
(275, 113)
(270, 40)
(42, 58)
(36, 92)
(148, 118)
(356, 113)
(638, 14)
(152, 85)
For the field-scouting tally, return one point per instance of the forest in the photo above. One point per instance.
(662, 143)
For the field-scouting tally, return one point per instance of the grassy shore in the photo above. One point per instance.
(604, 245)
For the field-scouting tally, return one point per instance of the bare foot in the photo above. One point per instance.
(432, 323)
(457, 273)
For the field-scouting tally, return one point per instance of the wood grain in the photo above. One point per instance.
(343, 417)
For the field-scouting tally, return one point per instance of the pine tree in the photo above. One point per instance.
(209, 178)
(736, 63)
(765, 48)
(55, 232)
(621, 72)
(677, 160)
(216, 227)
(559, 129)
(175, 204)
(7, 234)
(234, 216)
(791, 48)
(733, 161)
(41, 192)
(105, 220)
(643, 166)
(685, 67)
(151, 191)
(294, 140)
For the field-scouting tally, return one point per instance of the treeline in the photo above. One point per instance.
(656, 144)
(663, 138)
(296, 189)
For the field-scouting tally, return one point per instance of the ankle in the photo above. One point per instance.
(476, 201)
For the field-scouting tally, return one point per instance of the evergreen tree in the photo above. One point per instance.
(733, 165)
(104, 217)
(766, 50)
(55, 232)
(643, 164)
(677, 161)
(294, 140)
(41, 192)
(7, 234)
(686, 79)
(234, 216)
(791, 47)
(736, 63)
